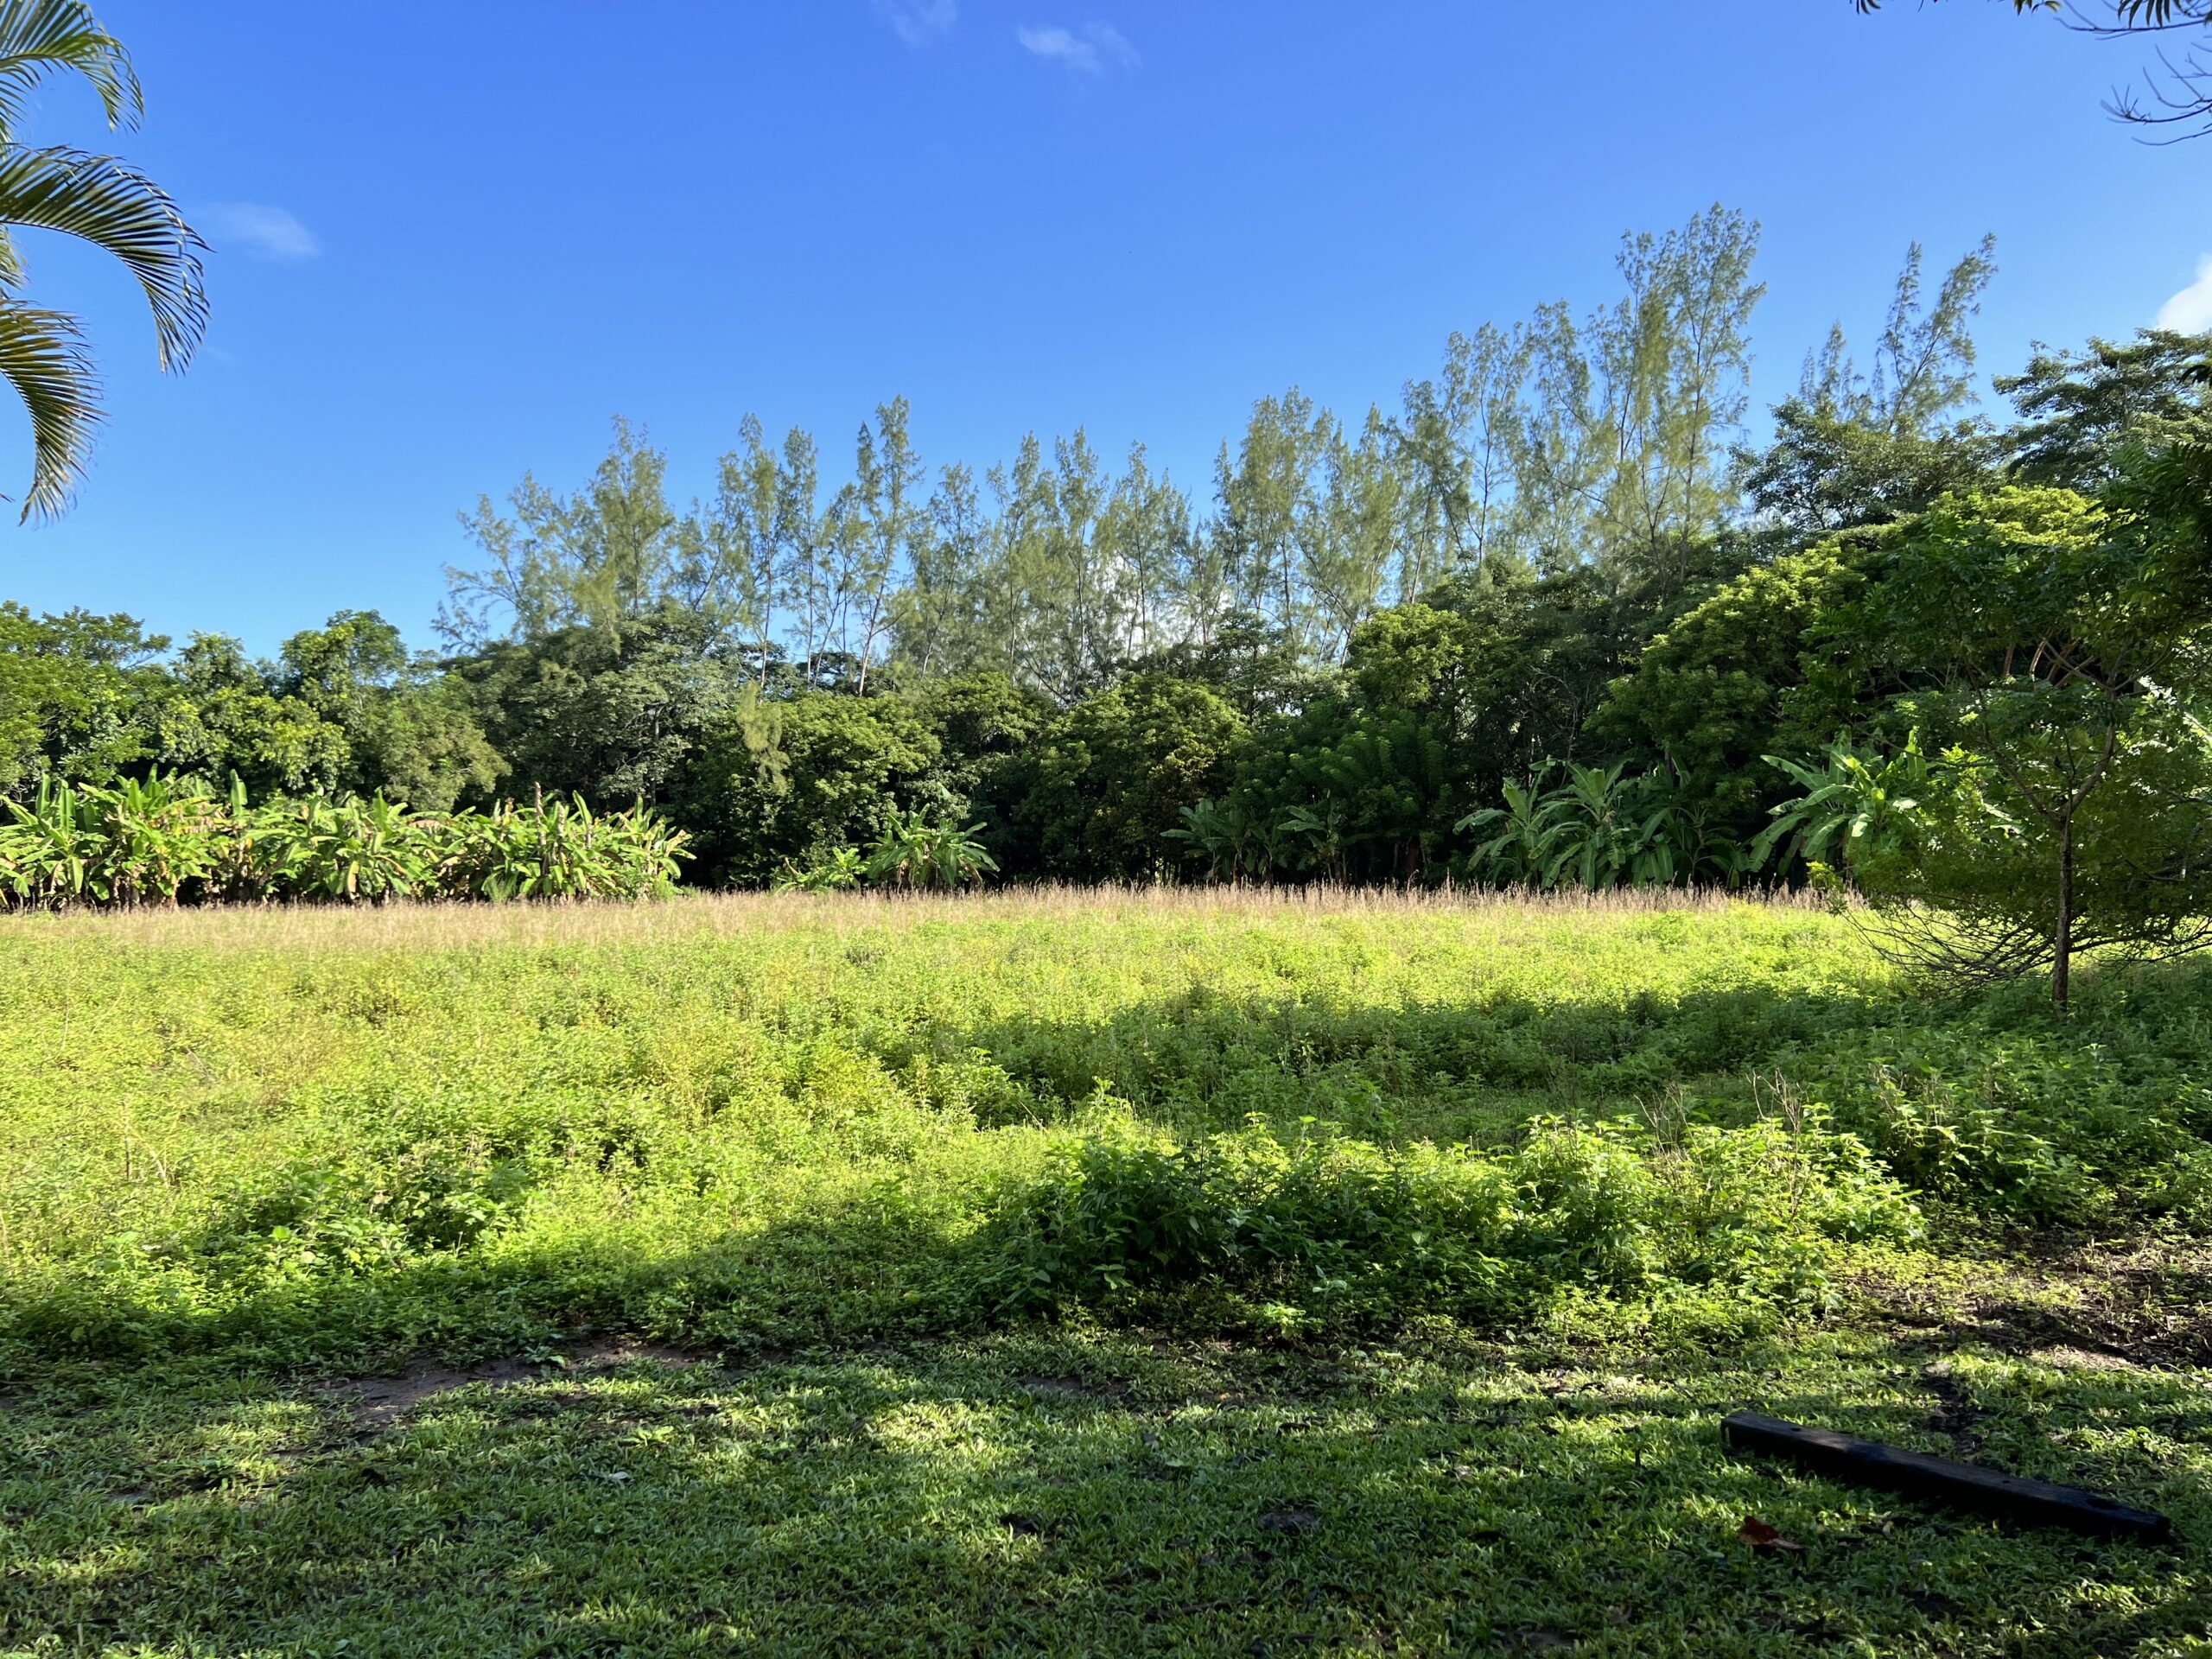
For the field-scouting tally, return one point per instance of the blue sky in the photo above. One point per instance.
(452, 242)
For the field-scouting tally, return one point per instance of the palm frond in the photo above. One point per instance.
(115, 206)
(39, 38)
(43, 356)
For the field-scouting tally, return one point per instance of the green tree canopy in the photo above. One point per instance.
(1110, 778)
(2071, 803)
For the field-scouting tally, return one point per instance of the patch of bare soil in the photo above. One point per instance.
(378, 1402)
(2147, 1304)
(605, 1353)
(1955, 1414)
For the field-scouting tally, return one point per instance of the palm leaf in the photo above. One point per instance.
(39, 38)
(115, 206)
(43, 356)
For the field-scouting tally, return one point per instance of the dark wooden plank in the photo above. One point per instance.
(1964, 1485)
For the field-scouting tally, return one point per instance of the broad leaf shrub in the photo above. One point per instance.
(2008, 1116)
(1249, 1230)
(166, 840)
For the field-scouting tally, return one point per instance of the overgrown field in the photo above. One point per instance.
(1216, 1273)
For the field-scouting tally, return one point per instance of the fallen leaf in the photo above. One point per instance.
(1766, 1539)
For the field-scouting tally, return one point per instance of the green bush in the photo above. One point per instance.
(167, 840)
(2094, 1121)
(1328, 1229)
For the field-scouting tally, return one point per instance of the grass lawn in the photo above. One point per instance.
(1079, 1273)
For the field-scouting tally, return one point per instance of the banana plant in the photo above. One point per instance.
(1602, 827)
(1679, 839)
(915, 852)
(1518, 852)
(164, 838)
(141, 841)
(350, 850)
(48, 852)
(1223, 833)
(1596, 835)
(1855, 805)
(838, 870)
(1318, 836)
(558, 850)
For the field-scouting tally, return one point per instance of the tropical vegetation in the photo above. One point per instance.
(1556, 621)
(1068, 1271)
(98, 199)
(164, 840)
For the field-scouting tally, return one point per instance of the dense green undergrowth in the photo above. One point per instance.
(293, 1139)
(1076, 1273)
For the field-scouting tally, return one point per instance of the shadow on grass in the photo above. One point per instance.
(898, 1256)
(1206, 1060)
(1204, 1056)
(1060, 1493)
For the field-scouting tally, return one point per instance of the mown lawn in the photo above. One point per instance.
(1078, 1275)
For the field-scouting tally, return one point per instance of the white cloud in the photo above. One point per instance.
(918, 22)
(255, 228)
(2189, 312)
(1098, 48)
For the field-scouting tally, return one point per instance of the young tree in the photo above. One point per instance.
(409, 732)
(221, 715)
(1619, 458)
(889, 518)
(1084, 628)
(1269, 510)
(1725, 685)
(614, 715)
(845, 769)
(936, 618)
(2082, 413)
(2072, 802)
(1853, 448)
(1028, 596)
(1455, 446)
(1145, 541)
(1110, 778)
(801, 559)
(1348, 554)
(729, 565)
(78, 696)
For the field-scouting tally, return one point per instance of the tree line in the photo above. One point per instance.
(1553, 616)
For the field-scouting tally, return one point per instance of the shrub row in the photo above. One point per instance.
(169, 840)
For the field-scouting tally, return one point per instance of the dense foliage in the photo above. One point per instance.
(1554, 622)
(165, 840)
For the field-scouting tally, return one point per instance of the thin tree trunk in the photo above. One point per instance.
(2061, 964)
